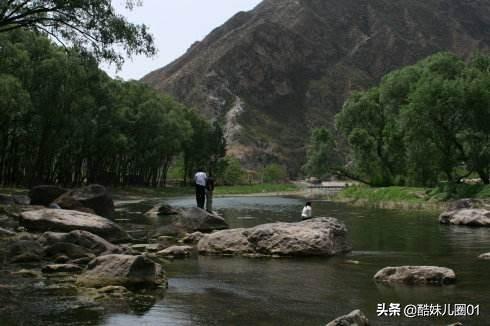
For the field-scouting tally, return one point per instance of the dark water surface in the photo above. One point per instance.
(312, 291)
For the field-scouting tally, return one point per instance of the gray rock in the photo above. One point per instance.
(92, 243)
(416, 275)
(21, 199)
(6, 233)
(45, 194)
(465, 203)
(193, 238)
(176, 251)
(122, 270)
(94, 197)
(355, 318)
(66, 249)
(485, 256)
(469, 217)
(61, 220)
(190, 220)
(321, 236)
(24, 251)
(162, 210)
(61, 268)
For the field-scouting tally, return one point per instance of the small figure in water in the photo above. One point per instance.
(307, 212)
(200, 182)
(209, 193)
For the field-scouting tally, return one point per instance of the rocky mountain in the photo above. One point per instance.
(271, 74)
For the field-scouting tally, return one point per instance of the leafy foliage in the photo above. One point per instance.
(92, 26)
(423, 124)
(65, 121)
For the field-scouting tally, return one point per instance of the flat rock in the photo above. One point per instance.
(176, 251)
(61, 268)
(323, 236)
(61, 220)
(485, 256)
(355, 318)
(190, 220)
(122, 270)
(416, 275)
(469, 217)
(91, 242)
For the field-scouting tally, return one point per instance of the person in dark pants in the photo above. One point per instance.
(200, 182)
(209, 193)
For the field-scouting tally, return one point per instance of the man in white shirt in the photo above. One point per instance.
(200, 182)
(307, 212)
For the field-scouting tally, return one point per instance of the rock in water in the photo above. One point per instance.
(323, 236)
(92, 243)
(484, 256)
(122, 270)
(94, 197)
(176, 251)
(469, 217)
(190, 220)
(45, 195)
(355, 318)
(416, 275)
(61, 220)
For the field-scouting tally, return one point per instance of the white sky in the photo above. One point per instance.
(175, 24)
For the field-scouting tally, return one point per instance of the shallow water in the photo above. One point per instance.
(309, 291)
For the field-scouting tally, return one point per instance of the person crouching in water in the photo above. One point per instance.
(200, 181)
(209, 193)
(307, 212)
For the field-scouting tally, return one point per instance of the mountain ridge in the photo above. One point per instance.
(273, 73)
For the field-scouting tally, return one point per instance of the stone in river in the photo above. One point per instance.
(355, 318)
(416, 275)
(469, 217)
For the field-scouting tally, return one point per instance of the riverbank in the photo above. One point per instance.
(410, 197)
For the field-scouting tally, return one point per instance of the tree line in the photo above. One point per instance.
(422, 125)
(65, 121)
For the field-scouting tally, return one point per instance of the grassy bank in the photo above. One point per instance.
(411, 197)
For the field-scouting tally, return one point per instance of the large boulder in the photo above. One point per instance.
(45, 195)
(122, 270)
(92, 242)
(94, 197)
(416, 275)
(355, 318)
(60, 220)
(469, 217)
(190, 220)
(323, 236)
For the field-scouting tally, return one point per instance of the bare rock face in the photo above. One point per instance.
(321, 236)
(469, 217)
(291, 63)
(355, 318)
(61, 220)
(416, 275)
(122, 270)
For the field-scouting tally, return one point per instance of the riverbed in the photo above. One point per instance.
(291, 291)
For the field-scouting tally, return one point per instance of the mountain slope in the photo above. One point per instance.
(271, 74)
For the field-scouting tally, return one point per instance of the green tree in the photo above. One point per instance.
(323, 158)
(233, 173)
(92, 26)
(273, 173)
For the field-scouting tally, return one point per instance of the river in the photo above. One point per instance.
(300, 291)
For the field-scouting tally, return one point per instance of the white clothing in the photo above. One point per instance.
(200, 179)
(306, 213)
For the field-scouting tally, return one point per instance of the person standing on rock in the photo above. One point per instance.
(200, 182)
(307, 212)
(209, 193)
